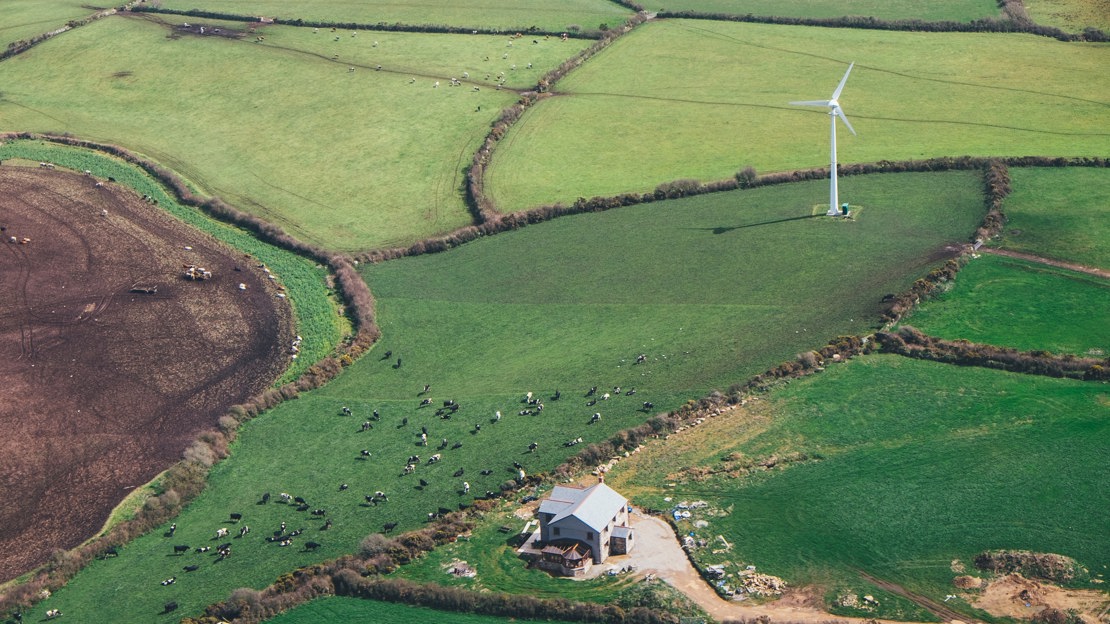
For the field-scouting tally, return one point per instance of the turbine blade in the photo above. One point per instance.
(840, 87)
(811, 103)
(840, 114)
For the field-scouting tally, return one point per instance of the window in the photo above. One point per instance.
(589, 536)
(556, 530)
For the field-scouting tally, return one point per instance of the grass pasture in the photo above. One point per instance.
(517, 15)
(935, 11)
(23, 19)
(912, 465)
(681, 99)
(483, 327)
(1069, 15)
(1024, 305)
(315, 310)
(1059, 213)
(340, 609)
(344, 160)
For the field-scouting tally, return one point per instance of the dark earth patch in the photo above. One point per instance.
(103, 388)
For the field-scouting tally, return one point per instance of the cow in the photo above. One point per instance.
(181, 549)
(311, 545)
(459, 472)
(434, 458)
(319, 512)
(533, 446)
(169, 581)
(265, 498)
(169, 606)
(236, 517)
(389, 526)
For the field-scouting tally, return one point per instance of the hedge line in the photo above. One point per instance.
(985, 25)
(492, 222)
(185, 480)
(22, 45)
(377, 26)
(910, 342)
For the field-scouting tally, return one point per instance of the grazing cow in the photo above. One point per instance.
(299, 499)
(398, 364)
(497, 416)
(457, 445)
(366, 453)
(221, 532)
(448, 403)
(527, 397)
(112, 551)
(648, 405)
(640, 359)
(311, 545)
(191, 568)
(596, 417)
(533, 446)
(181, 549)
(286, 498)
(236, 517)
(605, 397)
(343, 486)
(265, 498)
(202, 549)
(169, 581)
(404, 422)
(389, 526)
(375, 416)
(327, 525)
(466, 487)
(424, 430)
(630, 392)
(520, 475)
(173, 529)
(434, 458)
(423, 439)
(517, 465)
(487, 472)
(345, 410)
(425, 402)
(592, 391)
(366, 426)
(169, 606)
(409, 468)
(224, 546)
(591, 403)
(557, 395)
(302, 507)
(53, 613)
(282, 528)
(423, 483)
(459, 472)
(243, 531)
(387, 355)
(443, 444)
(477, 427)
(427, 387)
(413, 459)
(319, 512)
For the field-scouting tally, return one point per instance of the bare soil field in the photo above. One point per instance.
(111, 362)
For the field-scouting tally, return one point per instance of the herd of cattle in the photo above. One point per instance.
(282, 537)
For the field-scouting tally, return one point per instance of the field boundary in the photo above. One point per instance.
(1014, 21)
(442, 29)
(491, 222)
(21, 46)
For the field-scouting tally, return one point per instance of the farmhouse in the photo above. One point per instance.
(580, 527)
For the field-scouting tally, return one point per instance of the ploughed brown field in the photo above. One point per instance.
(101, 387)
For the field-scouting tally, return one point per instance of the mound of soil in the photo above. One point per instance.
(1040, 565)
(111, 361)
(1018, 597)
(967, 582)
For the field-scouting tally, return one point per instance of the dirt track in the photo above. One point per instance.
(102, 387)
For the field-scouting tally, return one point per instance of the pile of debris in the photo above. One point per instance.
(761, 584)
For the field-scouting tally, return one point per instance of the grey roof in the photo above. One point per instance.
(594, 506)
(622, 532)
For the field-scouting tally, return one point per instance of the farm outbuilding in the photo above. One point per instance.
(581, 527)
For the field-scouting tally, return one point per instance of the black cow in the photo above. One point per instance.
(389, 526)
(459, 472)
(236, 517)
(169, 606)
(311, 545)
(299, 499)
(181, 549)
(265, 498)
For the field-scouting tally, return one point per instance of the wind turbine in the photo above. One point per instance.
(834, 112)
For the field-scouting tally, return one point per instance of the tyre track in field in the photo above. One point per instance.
(932, 606)
(1071, 266)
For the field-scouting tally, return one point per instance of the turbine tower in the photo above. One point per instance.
(834, 112)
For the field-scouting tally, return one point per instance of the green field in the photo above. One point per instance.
(335, 609)
(483, 328)
(23, 19)
(1024, 305)
(935, 10)
(514, 15)
(315, 309)
(911, 465)
(1060, 214)
(344, 160)
(693, 99)
(1070, 15)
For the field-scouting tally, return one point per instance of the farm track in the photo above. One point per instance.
(1071, 266)
(936, 608)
